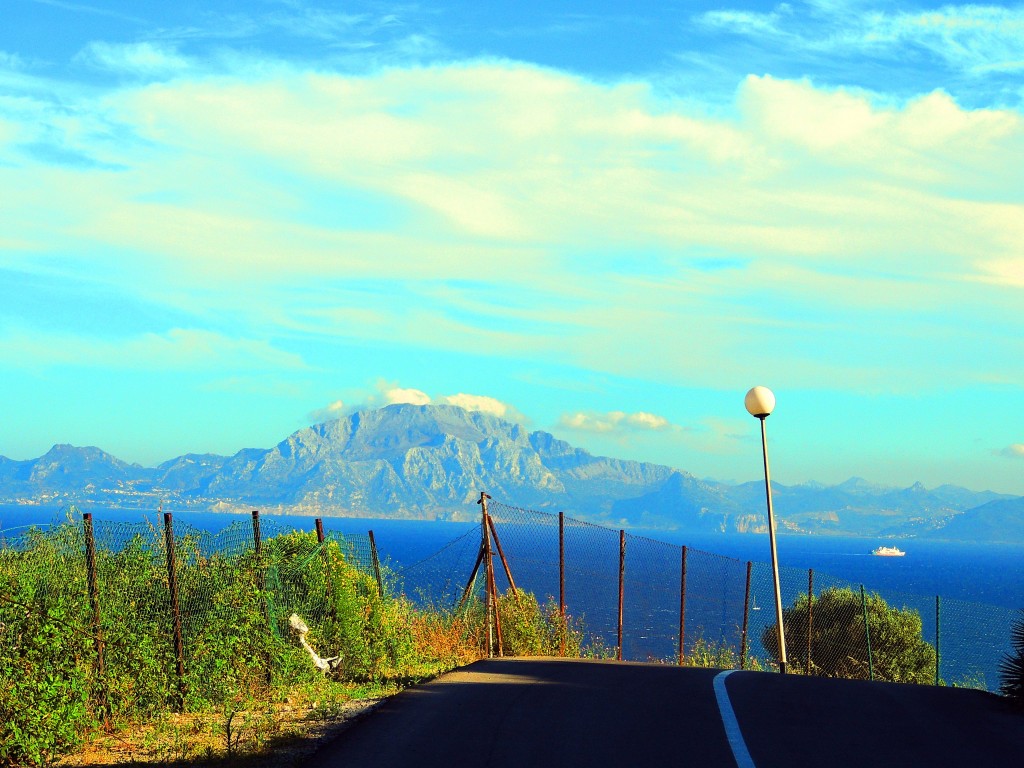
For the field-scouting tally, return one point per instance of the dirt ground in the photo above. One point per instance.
(279, 735)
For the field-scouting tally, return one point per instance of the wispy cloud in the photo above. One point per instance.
(143, 59)
(329, 412)
(970, 38)
(179, 349)
(745, 22)
(1013, 451)
(10, 60)
(613, 421)
(311, 190)
(88, 9)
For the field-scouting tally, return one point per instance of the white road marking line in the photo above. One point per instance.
(732, 726)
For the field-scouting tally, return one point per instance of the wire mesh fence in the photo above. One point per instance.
(723, 609)
(154, 606)
(136, 618)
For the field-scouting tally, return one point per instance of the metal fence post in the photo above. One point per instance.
(622, 584)
(867, 633)
(937, 640)
(501, 556)
(810, 616)
(261, 581)
(328, 573)
(257, 542)
(746, 614)
(561, 578)
(682, 608)
(94, 603)
(172, 586)
(376, 564)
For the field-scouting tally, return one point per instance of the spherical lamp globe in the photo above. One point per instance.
(759, 402)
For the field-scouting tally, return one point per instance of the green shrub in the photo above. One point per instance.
(531, 630)
(838, 643)
(46, 656)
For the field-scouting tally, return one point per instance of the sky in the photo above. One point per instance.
(223, 221)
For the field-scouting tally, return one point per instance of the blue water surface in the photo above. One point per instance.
(983, 573)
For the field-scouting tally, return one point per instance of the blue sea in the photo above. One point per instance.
(983, 573)
(981, 585)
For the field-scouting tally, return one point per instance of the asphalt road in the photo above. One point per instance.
(569, 713)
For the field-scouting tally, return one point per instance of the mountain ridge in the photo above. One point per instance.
(431, 461)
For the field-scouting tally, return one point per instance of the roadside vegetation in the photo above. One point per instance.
(840, 634)
(245, 680)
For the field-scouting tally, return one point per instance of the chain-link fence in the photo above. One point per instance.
(137, 618)
(723, 608)
(164, 613)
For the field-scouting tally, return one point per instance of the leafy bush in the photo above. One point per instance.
(838, 643)
(530, 630)
(46, 653)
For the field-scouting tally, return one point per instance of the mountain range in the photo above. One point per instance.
(432, 461)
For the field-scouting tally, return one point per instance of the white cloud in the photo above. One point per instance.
(481, 403)
(644, 420)
(1014, 451)
(744, 22)
(396, 395)
(329, 412)
(143, 59)
(613, 421)
(584, 214)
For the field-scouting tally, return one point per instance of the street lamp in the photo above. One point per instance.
(760, 402)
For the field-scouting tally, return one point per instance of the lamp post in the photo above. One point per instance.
(759, 403)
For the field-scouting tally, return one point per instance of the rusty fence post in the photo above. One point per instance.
(92, 583)
(490, 586)
(261, 576)
(810, 617)
(328, 574)
(682, 608)
(561, 578)
(561, 563)
(376, 564)
(746, 615)
(501, 555)
(261, 582)
(172, 588)
(622, 588)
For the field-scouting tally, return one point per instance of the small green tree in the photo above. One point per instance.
(838, 644)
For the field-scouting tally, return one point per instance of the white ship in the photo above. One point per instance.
(889, 552)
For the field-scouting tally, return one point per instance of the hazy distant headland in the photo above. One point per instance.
(432, 461)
